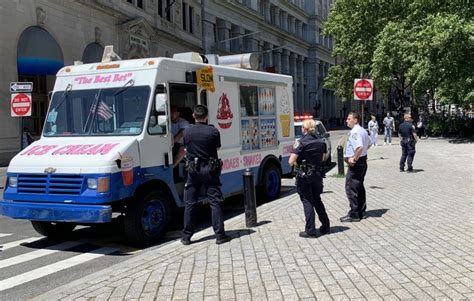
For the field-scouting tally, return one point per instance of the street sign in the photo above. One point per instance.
(363, 89)
(20, 104)
(21, 87)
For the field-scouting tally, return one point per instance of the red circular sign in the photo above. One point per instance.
(363, 89)
(21, 104)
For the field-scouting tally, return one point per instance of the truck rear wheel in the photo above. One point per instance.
(270, 185)
(147, 218)
(53, 229)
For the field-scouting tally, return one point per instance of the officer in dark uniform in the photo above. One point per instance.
(408, 138)
(307, 154)
(201, 142)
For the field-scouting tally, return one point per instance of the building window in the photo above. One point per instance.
(137, 3)
(168, 10)
(184, 13)
(191, 14)
(160, 8)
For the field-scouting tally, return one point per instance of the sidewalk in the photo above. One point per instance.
(416, 244)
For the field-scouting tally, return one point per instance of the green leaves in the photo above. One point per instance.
(404, 44)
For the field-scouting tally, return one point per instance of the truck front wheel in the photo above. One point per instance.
(270, 185)
(53, 229)
(147, 218)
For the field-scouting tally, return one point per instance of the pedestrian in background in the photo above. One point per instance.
(421, 126)
(389, 124)
(201, 142)
(408, 138)
(27, 139)
(374, 130)
(356, 156)
(308, 154)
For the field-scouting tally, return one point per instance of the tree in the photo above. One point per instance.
(407, 45)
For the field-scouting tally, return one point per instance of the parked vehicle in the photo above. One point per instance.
(106, 146)
(321, 132)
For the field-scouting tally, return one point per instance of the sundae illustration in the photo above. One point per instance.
(224, 114)
(285, 114)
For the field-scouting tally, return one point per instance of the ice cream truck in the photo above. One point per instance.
(106, 146)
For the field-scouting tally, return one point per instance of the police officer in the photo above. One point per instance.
(356, 156)
(201, 142)
(408, 138)
(307, 154)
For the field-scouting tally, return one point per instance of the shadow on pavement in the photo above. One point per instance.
(376, 187)
(337, 229)
(416, 170)
(232, 233)
(461, 141)
(376, 212)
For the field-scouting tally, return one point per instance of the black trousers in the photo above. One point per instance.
(210, 181)
(310, 188)
(408, 152)
(355, 189)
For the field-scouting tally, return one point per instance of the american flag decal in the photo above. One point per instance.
(104, 111)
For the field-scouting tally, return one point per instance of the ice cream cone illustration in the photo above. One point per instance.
(224, 113)
(285, 125)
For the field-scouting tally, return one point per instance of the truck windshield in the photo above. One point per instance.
(97, 112)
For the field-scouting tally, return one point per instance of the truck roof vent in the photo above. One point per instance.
(188, 56)
(109, 54)
(244, 61)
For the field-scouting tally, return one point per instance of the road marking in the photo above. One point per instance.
(53, 268)
(5, 234)
(39, 253)
(16, 243)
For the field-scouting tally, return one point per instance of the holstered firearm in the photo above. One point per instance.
(193, 166)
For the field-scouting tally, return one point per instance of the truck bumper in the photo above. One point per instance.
(56, 212)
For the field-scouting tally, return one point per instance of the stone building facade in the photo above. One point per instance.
(41, 36)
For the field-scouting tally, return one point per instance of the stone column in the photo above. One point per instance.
(285, 62)
(267, 55)
(223, 35)
(294, 73)
(284, 26)
(301, 92)
(267, 8)
(277, 60)
(236, 45)
(209, 38)
(276, 16)
(291, 24)
(299, 29)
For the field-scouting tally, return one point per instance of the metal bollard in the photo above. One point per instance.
(250, 200)
(340, 161)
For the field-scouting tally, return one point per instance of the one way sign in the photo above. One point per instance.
(21, 87)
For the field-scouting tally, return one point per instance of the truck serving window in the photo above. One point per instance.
(97, 112)
(258, 117)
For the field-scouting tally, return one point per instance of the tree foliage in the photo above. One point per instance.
(414, 45)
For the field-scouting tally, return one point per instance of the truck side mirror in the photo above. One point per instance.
(160, 102)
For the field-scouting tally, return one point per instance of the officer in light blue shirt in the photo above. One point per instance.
(358, 143)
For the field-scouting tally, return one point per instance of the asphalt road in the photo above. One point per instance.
(31, 264)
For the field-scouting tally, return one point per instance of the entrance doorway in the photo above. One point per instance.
(39, 58)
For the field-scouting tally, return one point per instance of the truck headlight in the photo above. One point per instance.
(13, 181)
(92, 183)
(101, 184)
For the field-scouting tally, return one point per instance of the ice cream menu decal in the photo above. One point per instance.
(284, 110)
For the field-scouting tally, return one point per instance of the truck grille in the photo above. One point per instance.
(50, 184)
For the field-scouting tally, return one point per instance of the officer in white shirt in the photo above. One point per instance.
(356, 156)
